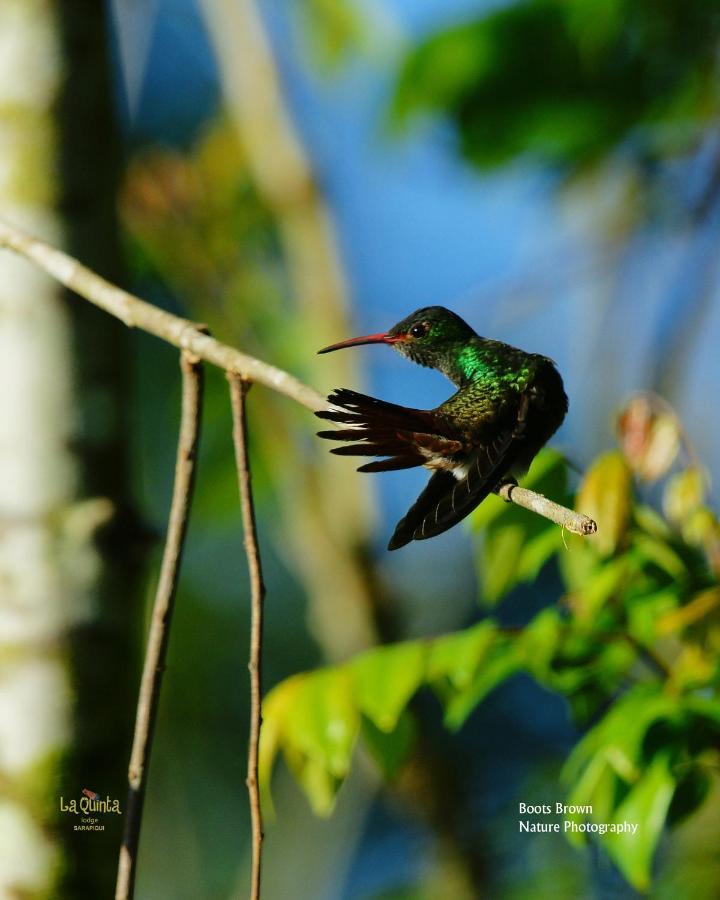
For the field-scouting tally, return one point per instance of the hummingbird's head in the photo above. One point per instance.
(430, 337)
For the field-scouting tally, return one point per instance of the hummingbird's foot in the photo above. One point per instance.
(511, 482)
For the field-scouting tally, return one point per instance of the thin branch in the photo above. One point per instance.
(238, 392)
(575, 522)
(137, 313)
(192, 384)
(182, 333)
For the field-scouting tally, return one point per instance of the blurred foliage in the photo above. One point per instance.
(196, 226)
(570, 81)
(631, 643)
(196, 222)
(649, 441)
(332, 28)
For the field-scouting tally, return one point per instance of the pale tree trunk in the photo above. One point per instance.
(50, 570)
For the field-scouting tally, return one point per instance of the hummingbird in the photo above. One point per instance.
(508, 404)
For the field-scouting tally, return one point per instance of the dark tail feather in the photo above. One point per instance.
(363, 450)
(390, 465)
(359, 409)
(439, 485)
(383, 429)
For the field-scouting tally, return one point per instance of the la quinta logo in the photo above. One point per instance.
(89, 806)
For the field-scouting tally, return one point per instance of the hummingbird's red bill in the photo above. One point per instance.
(383, 338)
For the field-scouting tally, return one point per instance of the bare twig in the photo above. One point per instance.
(160, 625)
(238, 391)
(575, 522)
(137, 313)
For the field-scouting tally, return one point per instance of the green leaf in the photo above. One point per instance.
(660, 553)
(579, 563)
(619, 735)
(645, 613)
(701, 529)
(324, 721)
(435, 74)
(501, 662)
(390, 749)
(334, 27)
(693, 786)
(274, 710)
(457, 656)
(646, 804)
(601, 584)
(649, 520)
(319, 732)
(680, 617)
(319, 785)
(537, 551)
(684, 493)
(537, 643)
(596, 787)
(605, 495)
(607, 21)
(515, 543)
(498, 569)
(385, 678)
(705, 708)
(515, 546)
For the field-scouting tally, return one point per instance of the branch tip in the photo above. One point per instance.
(575, 522)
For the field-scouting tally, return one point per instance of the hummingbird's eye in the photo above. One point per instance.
(418, 331)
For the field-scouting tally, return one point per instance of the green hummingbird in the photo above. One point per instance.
(507, 405)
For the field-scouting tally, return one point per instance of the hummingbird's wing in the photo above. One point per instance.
(450, 496)
(467, 468)
(408, 437)
(439, 486)
(447, 499)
